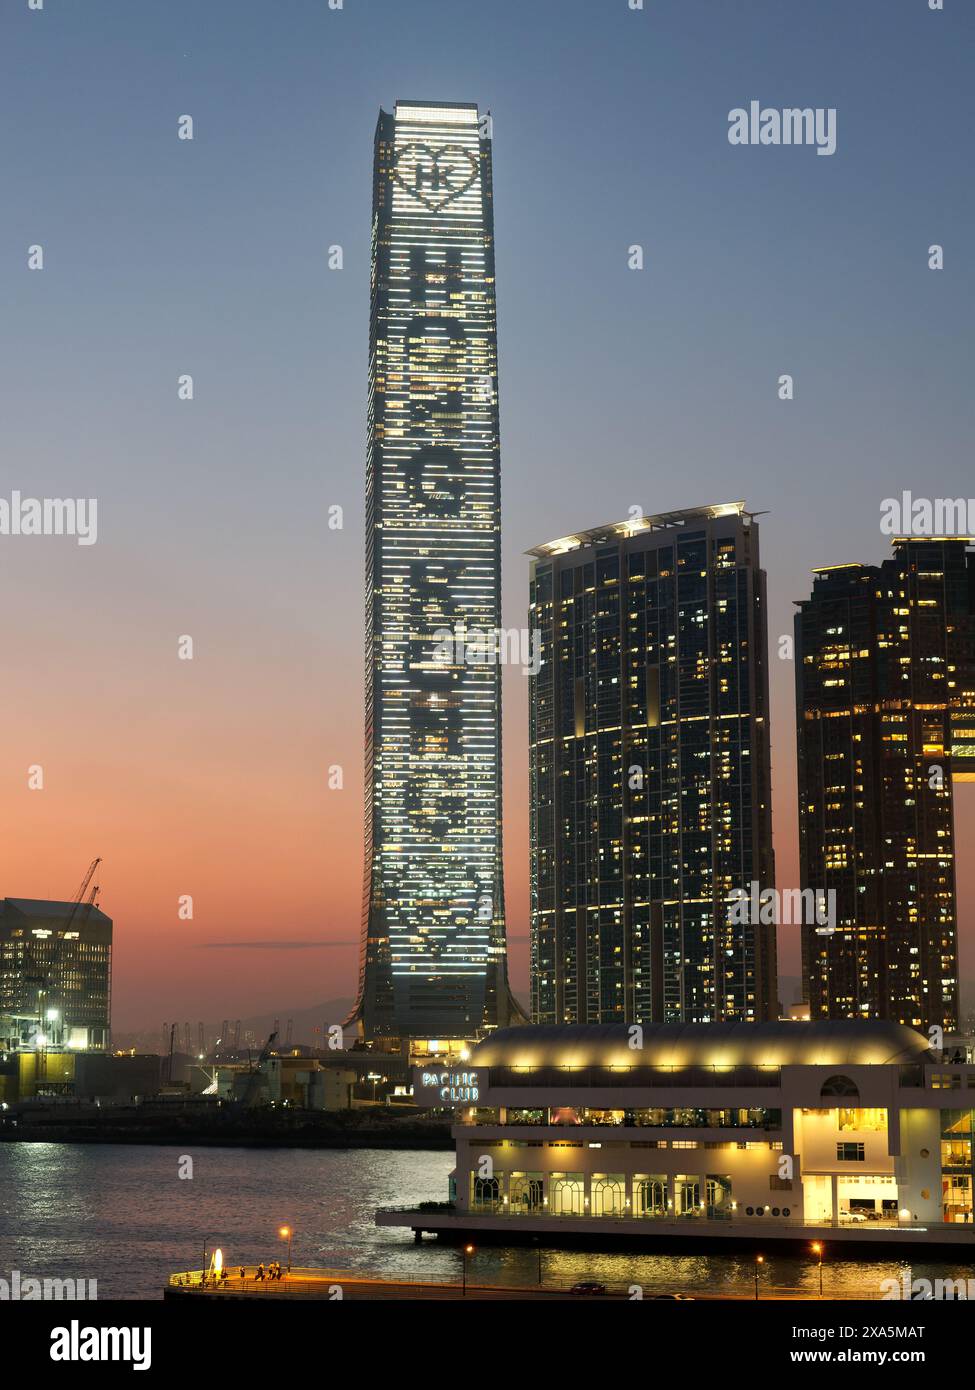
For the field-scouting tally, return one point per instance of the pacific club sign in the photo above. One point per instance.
(445, 1086)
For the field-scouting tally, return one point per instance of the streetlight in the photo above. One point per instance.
(817, 1249)
(286, 1231)
(759, 1260)
(468, 1250)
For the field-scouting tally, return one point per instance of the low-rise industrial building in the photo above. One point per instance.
(307, 1083)
(40, 1073)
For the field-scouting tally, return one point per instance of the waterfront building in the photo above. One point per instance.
(762, 1131)
(307, 1083)
(34, 1073)
(55, 974)
(433, 963)
(650, 772)
(885, 705)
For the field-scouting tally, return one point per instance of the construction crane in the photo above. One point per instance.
(252, 1091)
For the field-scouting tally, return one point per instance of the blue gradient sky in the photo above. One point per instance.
(659, 388)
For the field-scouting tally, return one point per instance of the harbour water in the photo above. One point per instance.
(123, 1215)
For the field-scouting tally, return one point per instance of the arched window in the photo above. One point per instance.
(526, 1192)
(687, 1192)
(609, 1196)
(839, 1086)
(487, 1192)
(651, 1196)
(568, 1195)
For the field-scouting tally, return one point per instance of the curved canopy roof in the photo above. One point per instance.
(835, 1043)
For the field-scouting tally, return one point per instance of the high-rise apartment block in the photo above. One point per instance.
(885, 695)
(650, 801)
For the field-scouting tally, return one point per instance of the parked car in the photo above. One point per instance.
(588, 1286)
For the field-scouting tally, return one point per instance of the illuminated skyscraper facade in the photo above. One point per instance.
(433, 958)
(650, 773)
(885, 697)
(56, 972)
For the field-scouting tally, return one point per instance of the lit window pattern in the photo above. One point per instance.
(650, 773)
(886, 680)
(433, 938)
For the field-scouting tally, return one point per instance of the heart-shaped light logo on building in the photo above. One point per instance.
(435, 177)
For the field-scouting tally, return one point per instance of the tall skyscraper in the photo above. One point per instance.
(650, 772)
(433, 960)
(885, 700)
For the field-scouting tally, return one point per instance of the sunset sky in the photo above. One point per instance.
(659, 388)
